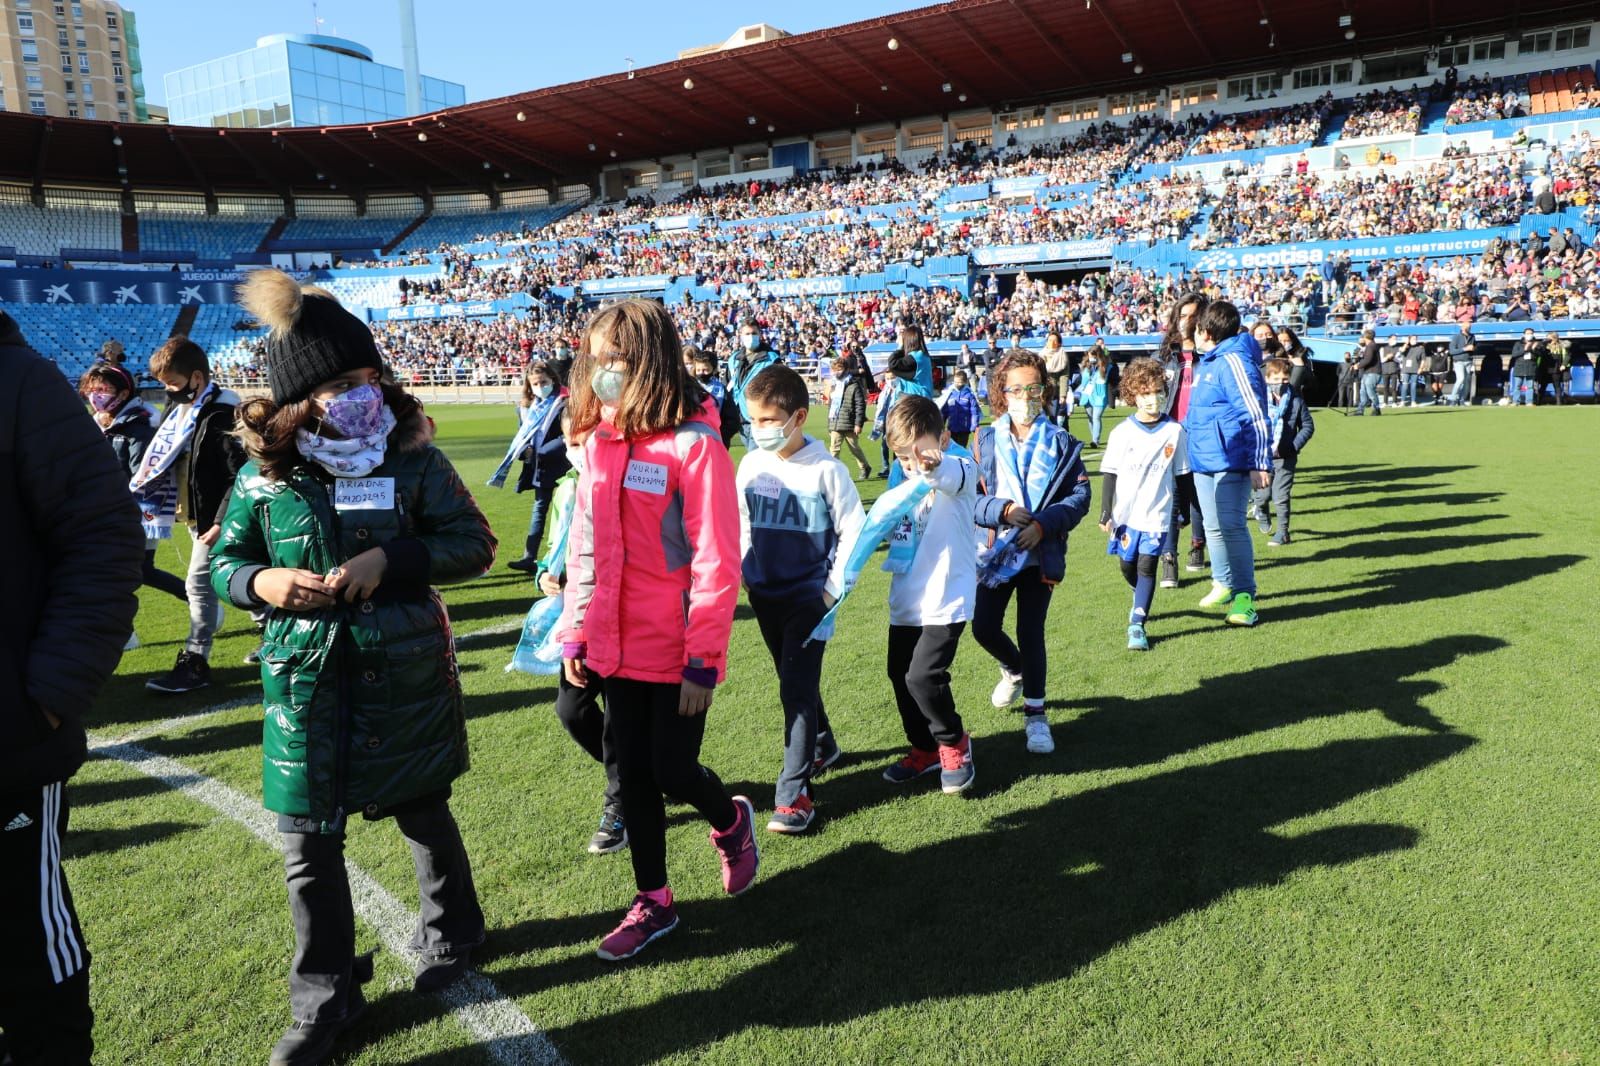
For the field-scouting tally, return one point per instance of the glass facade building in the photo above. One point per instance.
(298, 80)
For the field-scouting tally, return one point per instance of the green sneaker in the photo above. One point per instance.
(1243, 611)
(1219, 595)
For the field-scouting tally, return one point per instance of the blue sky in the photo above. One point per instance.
(494, 49)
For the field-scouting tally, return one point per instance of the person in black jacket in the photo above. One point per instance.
(544, 460)
(1369, 367)
(1292, 427)
(847, 413)
(128, 424)
(69, 534)
(208, 459)
(1526, 354)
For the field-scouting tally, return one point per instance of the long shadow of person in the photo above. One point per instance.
(1031, 900)
(1117, 732)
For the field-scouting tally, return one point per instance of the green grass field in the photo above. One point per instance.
(1365, 831)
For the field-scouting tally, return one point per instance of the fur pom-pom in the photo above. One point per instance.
(274, 298)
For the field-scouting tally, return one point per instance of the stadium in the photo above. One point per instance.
(1361, 831)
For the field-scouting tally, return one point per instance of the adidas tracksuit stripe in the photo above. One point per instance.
(33, 888)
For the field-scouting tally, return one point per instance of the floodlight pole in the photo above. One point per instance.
(408, 57)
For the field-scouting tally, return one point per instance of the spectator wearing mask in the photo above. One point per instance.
(752, 358)
(1461, 350)
(1525, 356)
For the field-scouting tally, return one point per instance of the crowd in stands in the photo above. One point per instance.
(1473, 193)
(1484, 100)
(1385, 113)
(1266, 129)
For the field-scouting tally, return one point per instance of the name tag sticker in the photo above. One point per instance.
(768, 486)
(364, 494)
(646, 477)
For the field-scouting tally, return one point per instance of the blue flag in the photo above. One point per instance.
(888, 512)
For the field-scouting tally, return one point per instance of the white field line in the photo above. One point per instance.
(507, 1034)
(177, 722)
(496, 630)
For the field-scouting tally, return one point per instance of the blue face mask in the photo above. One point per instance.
(752, 343)
(770, 439)
(607, 384)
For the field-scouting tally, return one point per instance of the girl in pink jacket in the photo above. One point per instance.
(652, 581)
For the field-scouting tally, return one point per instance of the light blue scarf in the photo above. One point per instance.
(886, 514)
(535, 420)
(538, 651)
(1026, 472)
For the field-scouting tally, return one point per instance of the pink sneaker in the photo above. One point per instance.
(646, 922)
(740, 855)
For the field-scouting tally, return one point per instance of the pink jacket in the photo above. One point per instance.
(653, 556)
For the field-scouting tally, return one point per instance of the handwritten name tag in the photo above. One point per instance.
(646, 477)
(364, 494)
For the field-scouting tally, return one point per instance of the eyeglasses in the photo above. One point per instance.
(1024, 390)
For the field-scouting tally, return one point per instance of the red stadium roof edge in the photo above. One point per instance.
(999, 53)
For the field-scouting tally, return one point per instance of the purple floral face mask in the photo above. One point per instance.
(357, 413)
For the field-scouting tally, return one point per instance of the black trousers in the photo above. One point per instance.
(989, 628)
(581, 716)
(324, 916)
(919, 670)
(658, 756)
(786, 625)
(44, 984)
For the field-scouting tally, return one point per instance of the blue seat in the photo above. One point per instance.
(1583, 381)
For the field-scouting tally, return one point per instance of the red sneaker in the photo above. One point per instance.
(740, 855)
(793, 819)
(956, 772)
(913, 766)
(646, 922)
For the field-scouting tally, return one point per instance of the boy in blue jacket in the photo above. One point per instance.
(1230, 445)
(1289, 420)
(1033, 490)
(960, 409)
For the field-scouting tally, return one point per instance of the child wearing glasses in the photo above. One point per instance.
(1033, 490)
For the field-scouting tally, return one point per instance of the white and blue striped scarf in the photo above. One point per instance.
(535, 420)
(155, 486)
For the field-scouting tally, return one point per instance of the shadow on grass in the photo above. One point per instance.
(1115, 732)
(1389, 529)
(83, 842)
(1357, 473)
(1095, 869)
(1438, 499)
(1387, 546)
(91, 793)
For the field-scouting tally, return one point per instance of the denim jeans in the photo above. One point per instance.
(541, 508)
(1522, 391)
(1463, 393)
(1408, 391)
(1095, 414)
(1369, 395)
(1225, 498)
(203, 613)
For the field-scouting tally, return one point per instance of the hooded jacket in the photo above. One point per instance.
(74, 549)
(653, 554)
(363, 701)
(1227, 417)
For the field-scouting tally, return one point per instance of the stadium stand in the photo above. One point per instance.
(71, 334)
(204, 237)
(46, 231)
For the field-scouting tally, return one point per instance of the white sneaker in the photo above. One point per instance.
(1006, 692)
(133, 642)
(1219, 594)
(1037, 730)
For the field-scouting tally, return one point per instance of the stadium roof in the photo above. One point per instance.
(999, 53)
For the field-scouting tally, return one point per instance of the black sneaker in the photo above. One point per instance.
(439, 973)
(310, 1043)
(1169, 571)
(189, 673)
(1197, 560)
(612, 834)
(527, 564)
